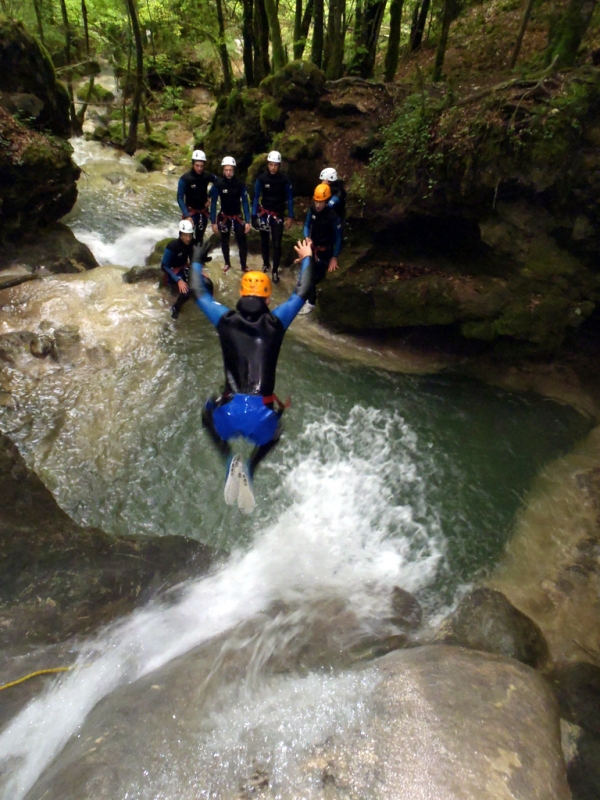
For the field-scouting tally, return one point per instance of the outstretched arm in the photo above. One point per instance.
(204, 300)
(287, 311)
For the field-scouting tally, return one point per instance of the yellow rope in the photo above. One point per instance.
(34, 675)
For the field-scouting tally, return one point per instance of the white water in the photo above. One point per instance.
(342, 536)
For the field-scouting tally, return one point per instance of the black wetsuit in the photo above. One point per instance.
(274, 193)
(175, 264)
(233, 211)
(338, 198)
(192, 194)
(325, 231)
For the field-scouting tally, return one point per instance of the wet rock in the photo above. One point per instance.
(147, 273)
(578, 691)
(58, 578)
(14, 345)
(115, 178)
(42, 346)
(583, 771)
(68, 342)
(485, 620)
(54, 248)
(406, 609)
(449, 723)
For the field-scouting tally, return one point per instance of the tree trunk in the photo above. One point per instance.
(568, 33)
(316, 55)
(279, 59)
(227, 82)
(393, 48)
(521, 34)
(417, 39)
(38, 17)
(367, 38)
(67, 29)
(130, 143)
(247, 41)
(86, 33)
(304, 28)
(262, 66)
(335, 40)
(449, 14)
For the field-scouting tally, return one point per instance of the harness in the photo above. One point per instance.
(203, 216)
(264, 219)
(281, 406)
(223, 221)
(267, 401)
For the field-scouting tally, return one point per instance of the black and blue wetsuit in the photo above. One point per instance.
(337, 201)
(233, 197)
(324, 229)
(175, 264)
(250, 337)
(272, 193)
(192, 195)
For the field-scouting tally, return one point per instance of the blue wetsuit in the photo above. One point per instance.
(324, 229)
(251, 336)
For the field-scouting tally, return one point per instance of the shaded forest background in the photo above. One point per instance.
(165, 45)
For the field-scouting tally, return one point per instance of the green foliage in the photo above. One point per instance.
(172, 99)
(408, 149)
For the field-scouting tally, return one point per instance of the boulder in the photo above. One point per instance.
(26, 70)
(485, 620)
(453, 724)
(58, 578)
(53, 248)
(578, 690)
(298, 85)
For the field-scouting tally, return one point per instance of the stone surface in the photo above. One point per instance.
(53, 249)
(485, 620)
(58, 578)
(26, 70)
(450, 724)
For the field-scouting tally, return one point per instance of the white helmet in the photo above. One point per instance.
(328, 174)
(274, 156)
(186, 226)
(198, 155)
(228, 161)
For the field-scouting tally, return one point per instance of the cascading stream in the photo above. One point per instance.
(381, 480)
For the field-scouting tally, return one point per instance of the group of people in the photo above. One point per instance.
(251, 334)
(222, 201)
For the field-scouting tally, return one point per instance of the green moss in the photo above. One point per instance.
(152, 161)
(99, 94)
(298, 146)
(298, 85)
(272, 117)
(157, 140)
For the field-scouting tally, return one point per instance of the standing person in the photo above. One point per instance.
(233, 202)
(175, 264)
(250, 337)
(323, 228)
(192, 193)
(272, 192)
(337, 200)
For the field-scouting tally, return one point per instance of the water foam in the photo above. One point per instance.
(130, 248)
(345, 532)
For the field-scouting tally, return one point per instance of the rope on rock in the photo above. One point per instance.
(34, 675)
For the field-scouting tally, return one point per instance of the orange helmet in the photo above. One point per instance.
(322, 193)
(255, 284)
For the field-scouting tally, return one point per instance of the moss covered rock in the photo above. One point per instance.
(37, 178)
(299, 84)
(26, 68)
(236, 129)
